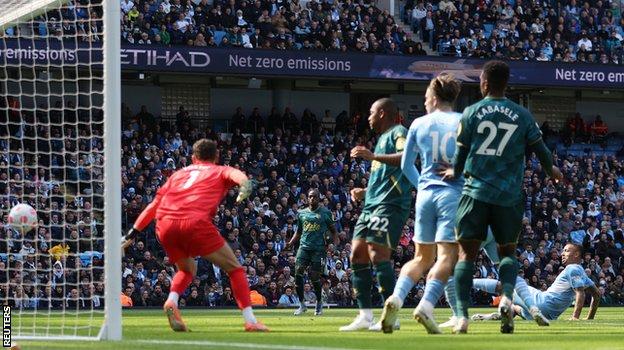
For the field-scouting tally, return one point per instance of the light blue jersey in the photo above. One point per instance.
(560, 295)
(433, 138)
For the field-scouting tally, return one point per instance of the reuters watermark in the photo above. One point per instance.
(6, 326)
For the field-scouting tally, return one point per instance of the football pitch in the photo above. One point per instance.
(223, 329)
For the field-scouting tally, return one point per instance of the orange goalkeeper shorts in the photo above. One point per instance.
(188, 238)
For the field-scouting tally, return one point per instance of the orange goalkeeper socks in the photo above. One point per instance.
(181, 281)
(240, 287)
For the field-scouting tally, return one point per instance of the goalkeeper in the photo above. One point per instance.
(183, 208)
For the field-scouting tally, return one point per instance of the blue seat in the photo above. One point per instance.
(43, 29)
(86, 258)
(488, 28)
(218, 36)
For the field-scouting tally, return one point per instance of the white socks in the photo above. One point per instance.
(367, 314)
(426, 306)
(248, 315)
(173, 296)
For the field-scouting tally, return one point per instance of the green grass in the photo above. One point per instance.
(218, 329)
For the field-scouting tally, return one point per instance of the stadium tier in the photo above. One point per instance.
(286, 91)
(532, 31)
(287, 164)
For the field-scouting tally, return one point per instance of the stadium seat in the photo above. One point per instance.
(218, 36)
(487, 29)
(86, 258)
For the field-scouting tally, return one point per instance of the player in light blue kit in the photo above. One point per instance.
(433, 137)
(570, 285)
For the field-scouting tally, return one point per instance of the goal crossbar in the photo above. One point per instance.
(12, 11)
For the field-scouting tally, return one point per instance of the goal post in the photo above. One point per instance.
(112, 169)
(60, 152)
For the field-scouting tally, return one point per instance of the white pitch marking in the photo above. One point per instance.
(234, 345)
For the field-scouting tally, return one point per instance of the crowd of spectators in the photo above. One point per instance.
(53, 162)
(61, 264)
(338, 26)
(577, 130)
(287, 159)
(563, 31)
(567, 31)
(539, 30)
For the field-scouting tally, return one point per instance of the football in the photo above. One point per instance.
(23, 217)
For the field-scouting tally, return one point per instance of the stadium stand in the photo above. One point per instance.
(539, 31)
(283, 25)
(559, 31)
(287, 161)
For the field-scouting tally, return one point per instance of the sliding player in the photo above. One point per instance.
(570, 285)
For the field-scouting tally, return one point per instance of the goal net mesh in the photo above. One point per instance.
(52, 158)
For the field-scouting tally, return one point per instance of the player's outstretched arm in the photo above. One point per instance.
(147, 215)
(246, 185)
(393, 159)
(578, 304)
(237, 176)
(408, 159)
(595, 301)
(145, 218)
(545, 158)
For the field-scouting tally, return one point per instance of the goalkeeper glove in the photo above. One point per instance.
(129, 237)
(245, 190)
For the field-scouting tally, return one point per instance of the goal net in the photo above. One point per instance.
(59, 153)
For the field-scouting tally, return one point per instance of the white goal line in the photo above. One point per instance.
(205, 343)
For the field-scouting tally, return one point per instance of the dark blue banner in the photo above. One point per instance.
(307, 64)
(522, 73)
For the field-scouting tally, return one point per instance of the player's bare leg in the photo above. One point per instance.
(362, 281)
(225, 259)
(436, 280)
(411, 272)
(468, 250)
(186, 271)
